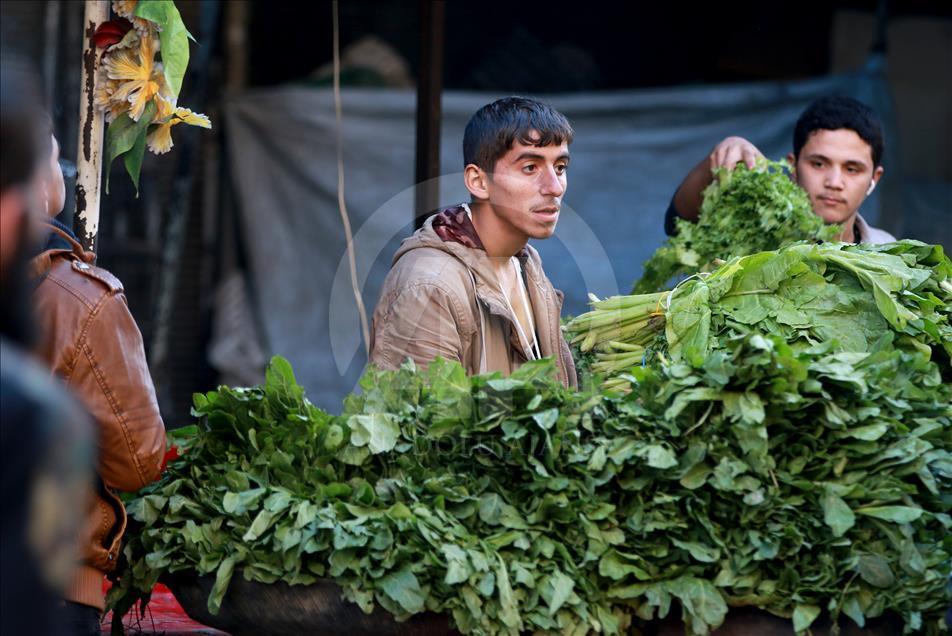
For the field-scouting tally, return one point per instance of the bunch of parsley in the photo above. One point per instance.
(744, 211)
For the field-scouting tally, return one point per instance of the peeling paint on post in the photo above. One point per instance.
(89, 157)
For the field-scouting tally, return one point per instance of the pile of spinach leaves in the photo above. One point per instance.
(799, 466)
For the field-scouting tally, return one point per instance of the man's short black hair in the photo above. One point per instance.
(491, 132)
(24, 125)
(835, 113)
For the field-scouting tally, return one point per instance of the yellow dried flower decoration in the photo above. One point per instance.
(160, 140)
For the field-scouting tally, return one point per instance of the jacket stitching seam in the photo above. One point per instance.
(113, 403)
(72, 289)
(436, 285)
(80, 343)
(387, 346)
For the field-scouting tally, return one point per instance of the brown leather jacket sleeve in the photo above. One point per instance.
(112, 377)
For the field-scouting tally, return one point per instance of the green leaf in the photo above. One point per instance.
(457, 565)
(702, 605)
(173, 38)
(260, 525)
(504, 385)
(699, 551)
(509, 517)
(222, 580)
(562, 587)
(597, 462)
(616, 566)
(875, 570)
(851, 608)
(896, 514)
(133, 159)
(151, 509)
(658, 456)
(836, 513)
(278, 502)
(122, 135)
(378, 431)
(869, 433)
(508, 611)
(546, 419)
(490, 508)
(239, 503)
(696, 476)
(403, 588)
(334, 437)
(803, 617)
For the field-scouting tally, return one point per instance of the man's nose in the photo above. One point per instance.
(552, 184)
(834, 179)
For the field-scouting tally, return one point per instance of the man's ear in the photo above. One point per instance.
(792, 160)
(877, 175)
(477, 182)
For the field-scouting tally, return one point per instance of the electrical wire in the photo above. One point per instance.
(342, 206)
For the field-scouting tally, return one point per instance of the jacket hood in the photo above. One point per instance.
(451, 231)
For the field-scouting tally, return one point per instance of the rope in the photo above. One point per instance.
(667, 300)
(345, 218)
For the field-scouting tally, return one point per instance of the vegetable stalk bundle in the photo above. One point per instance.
(850, 296)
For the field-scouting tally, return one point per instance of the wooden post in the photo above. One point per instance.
(237, 16)
(90, 150)
(429, 112)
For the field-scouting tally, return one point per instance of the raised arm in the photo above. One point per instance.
(728, 153)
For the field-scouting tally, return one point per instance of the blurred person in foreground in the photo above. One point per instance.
(46, 443)
(92, 343)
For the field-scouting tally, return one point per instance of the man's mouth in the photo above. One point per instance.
(831, 200)
(549, 211)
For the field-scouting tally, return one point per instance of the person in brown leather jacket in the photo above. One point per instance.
(91, 341)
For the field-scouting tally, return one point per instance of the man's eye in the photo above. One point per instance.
(852, 169)
(561, 168)
(529, 169)
(816, 164)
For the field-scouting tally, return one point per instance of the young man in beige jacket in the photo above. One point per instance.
(467, 286)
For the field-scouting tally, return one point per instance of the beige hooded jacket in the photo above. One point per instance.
(442, 298)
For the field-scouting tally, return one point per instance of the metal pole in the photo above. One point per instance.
(89, 155)
(429, 109)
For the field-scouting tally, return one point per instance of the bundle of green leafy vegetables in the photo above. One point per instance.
(768, 455)
(837, 293)
(744, 211)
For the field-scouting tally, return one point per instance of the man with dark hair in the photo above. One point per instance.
(467, 286)
(45, 438)
(837, 159)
